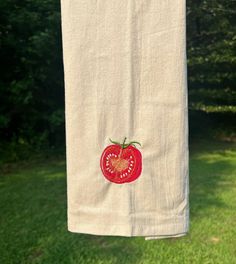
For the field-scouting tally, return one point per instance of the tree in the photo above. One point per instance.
(32, 107)
(211, 51)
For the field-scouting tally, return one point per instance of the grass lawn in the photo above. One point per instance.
(33, 217)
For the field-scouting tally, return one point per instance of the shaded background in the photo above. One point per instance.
(31, 86)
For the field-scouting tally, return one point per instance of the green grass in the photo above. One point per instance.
(33, 217)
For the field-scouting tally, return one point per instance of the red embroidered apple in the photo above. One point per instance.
(121, 163)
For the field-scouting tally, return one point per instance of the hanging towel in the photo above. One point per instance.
(126, 117)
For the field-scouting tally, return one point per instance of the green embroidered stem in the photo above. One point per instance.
(123, 145)
(114, 142)
(134, 142)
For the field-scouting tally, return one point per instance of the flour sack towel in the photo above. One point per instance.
(126, 117)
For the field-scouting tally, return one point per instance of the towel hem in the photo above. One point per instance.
(179, 227)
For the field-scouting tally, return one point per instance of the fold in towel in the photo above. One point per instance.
(126, 114)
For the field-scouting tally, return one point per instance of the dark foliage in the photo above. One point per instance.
(31, 85)
(32, 95)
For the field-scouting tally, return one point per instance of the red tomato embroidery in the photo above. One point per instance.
(121, 163)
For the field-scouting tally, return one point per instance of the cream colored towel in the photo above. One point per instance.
(126, 117)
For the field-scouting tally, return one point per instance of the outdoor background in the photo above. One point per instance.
(32, 144)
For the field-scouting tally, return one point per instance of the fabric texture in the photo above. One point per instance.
(126, 111)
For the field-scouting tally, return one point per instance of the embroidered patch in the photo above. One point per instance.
(121, 163)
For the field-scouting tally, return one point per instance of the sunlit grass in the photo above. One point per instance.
(34, 230)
